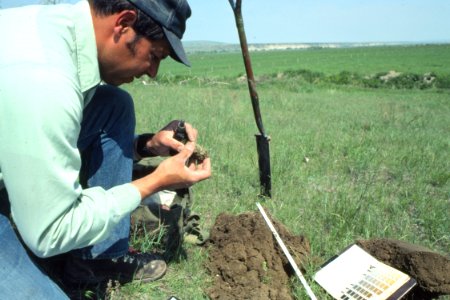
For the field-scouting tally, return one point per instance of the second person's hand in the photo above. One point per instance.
(163, 142)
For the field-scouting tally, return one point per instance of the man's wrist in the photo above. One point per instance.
(147, 185)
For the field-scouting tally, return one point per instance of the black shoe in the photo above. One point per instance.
(132, 266)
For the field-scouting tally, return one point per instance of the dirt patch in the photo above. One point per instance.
(430, 269)
(246, 261)
(390, 75)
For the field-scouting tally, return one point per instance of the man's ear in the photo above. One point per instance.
(124, 22)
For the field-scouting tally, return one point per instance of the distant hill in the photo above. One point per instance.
(210, 46)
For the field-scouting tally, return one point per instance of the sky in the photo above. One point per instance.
(315, 21)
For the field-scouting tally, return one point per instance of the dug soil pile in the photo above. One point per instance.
(246, 261)
(430, 269)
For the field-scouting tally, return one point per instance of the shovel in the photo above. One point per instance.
(262, 140)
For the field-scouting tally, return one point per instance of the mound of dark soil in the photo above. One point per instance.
(246, 261)
(430, 269)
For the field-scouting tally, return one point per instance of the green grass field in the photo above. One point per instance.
(365, 60)
(348, 162)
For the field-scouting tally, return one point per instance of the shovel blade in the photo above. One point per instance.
(262, 144)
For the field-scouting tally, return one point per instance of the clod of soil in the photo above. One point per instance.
(430, 269)
(199, 155)
(246, 261)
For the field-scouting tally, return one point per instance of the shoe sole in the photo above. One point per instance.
(159, 269)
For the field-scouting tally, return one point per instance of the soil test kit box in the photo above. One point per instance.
(355, 274)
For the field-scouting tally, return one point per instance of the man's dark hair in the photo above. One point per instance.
(144, 25)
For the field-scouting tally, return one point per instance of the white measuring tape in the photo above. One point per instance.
(286, 252)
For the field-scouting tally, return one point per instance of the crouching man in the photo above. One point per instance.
(67, 139)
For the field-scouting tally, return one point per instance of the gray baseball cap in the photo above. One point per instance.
(171, 15)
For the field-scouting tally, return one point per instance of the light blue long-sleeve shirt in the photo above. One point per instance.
(48, 73)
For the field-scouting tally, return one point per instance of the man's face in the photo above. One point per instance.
(131, 57)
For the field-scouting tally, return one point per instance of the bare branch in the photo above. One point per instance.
(235, 5)
(238, 4)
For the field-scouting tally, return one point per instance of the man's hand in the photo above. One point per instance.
(163, 142)
(173, 173)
